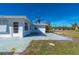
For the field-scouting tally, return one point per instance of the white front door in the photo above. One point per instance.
(15, 29)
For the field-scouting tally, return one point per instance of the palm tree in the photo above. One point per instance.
(48, 26)
(38, 19)
(75, 26)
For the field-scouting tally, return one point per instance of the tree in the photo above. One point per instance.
(47, 22)
(48, 26)
(75, 26)
(38, 19)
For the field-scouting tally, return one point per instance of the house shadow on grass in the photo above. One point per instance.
(35, 33)
(6, 53)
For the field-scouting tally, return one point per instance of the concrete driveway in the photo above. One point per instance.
(49, 36)
(57, 37)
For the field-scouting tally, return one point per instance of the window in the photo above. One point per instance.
(30, 27)
(26, 26)
(35, 28)
(15, 25)
(3, 26)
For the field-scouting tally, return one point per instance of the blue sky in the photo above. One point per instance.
(57, 14)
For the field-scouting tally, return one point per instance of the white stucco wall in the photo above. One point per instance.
(43, 30)
(5, 35)
(11, 34)
(27, 32)
(20, 27)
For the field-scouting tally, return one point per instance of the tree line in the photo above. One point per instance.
(74, 26)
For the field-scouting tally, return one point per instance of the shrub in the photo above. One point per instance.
(50, 31)
(77, 30)
(13, 49)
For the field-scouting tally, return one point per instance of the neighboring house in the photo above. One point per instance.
(18, 26)
(57, 28)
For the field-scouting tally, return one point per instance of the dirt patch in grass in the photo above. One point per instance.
(42, 47)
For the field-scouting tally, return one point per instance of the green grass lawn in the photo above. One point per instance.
(42, 47)
(69, 33)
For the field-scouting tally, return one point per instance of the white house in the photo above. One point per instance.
(18, 26)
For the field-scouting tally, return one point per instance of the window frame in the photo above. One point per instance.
(25, 26)
(4, 22)
(15, 27)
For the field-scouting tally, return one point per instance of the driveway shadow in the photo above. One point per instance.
(35, 34)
